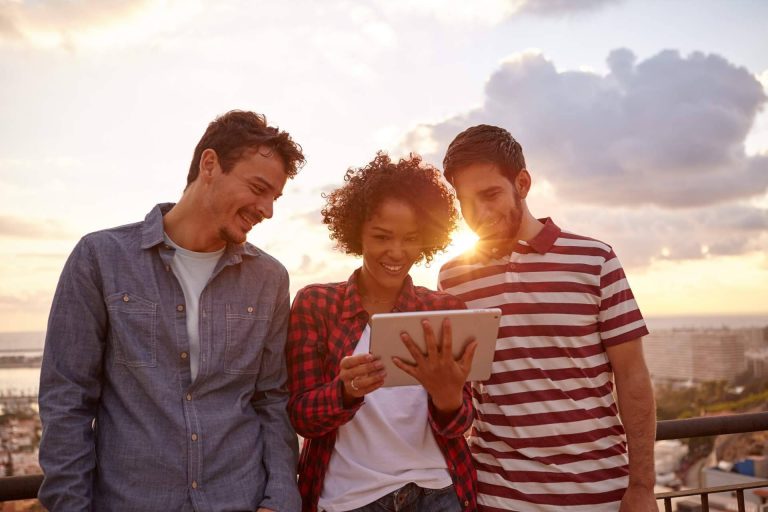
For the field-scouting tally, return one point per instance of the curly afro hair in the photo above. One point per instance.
(409, 180)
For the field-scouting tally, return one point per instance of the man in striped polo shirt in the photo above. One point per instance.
(549, 435)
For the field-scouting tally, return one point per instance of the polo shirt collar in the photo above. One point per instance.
(541, 243)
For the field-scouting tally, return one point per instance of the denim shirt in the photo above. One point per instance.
(124, 426)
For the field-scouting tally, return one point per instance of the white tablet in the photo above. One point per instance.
(481, 324)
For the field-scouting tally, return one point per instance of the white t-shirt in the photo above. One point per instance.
(386, 445)
(193, 270)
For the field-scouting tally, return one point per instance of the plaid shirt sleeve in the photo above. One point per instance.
(315, 405)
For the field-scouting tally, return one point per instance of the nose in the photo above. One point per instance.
(397, 250)
(266, 208)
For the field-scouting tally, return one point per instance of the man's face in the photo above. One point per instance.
(245, 196)
(490, 203)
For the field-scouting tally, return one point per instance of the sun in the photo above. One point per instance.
(463, 240)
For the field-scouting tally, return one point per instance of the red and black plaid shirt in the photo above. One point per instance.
(326, 323)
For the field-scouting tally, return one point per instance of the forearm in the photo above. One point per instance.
(280, 452)
(320, 409)
(457, 423)
(638, 413)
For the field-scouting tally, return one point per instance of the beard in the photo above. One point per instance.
(230, 238)
(511, 223)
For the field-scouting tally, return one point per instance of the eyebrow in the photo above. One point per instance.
(261, 181)
(483, 191)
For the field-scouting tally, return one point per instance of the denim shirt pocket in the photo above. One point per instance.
(133, 329)
(246, 328)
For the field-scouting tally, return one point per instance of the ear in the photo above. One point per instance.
(209, 164)
(523, 183)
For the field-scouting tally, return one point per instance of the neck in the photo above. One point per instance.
(373, 294)
(186, 226)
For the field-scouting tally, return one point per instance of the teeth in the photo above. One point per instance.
(392, 268)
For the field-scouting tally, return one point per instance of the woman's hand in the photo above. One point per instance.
(441, 375)
(360, 374)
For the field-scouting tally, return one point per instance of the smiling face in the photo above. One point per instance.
(392, 243)
(490, 203)
(238, 200)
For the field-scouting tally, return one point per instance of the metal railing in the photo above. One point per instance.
(25, 487)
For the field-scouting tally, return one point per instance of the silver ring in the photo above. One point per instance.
(353, 385)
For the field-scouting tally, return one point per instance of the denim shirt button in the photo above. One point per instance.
(250, 309)
(126, 298)
(180, 308)
(194, 437)
(183, 355)
(188, 397)
(194, 484)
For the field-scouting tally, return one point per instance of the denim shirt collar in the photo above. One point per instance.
(152, 236)
(352, 298)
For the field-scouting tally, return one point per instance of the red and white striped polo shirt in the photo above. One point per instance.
(547, 435)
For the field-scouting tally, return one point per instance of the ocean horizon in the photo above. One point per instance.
(25, 342)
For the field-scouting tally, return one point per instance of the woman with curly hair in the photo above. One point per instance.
(369, 448)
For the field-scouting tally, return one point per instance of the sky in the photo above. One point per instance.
(644, 124)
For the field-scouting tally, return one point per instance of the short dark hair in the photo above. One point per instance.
(232, 134)
(417, 184)
(484, 143)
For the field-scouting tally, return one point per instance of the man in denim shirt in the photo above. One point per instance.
(163, 379)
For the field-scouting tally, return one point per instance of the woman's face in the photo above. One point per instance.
(391, 242)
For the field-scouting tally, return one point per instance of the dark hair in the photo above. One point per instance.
(418, 185)
(484, 143)
(232, 134)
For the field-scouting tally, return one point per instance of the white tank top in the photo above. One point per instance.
(386, 445)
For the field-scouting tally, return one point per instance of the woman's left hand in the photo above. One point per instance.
(441, 375)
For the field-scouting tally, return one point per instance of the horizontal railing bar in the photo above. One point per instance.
(23, 487)
(712, 426)
(711, 490)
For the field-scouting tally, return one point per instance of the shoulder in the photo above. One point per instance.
(434, 299)
(120, 236)
(322, 292)
(265, 260)
(574, 243)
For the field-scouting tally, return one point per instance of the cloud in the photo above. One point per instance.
(50, 23)
(562, 7)
(668, 131)
(17, 227)
(460, 12)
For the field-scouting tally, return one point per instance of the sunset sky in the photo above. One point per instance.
(644, 123)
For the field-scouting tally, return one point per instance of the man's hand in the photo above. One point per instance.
(441, 375)
(638, 499)
(262, 509)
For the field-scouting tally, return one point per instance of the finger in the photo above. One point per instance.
(469, 354)
(407, 368)
(412, 348)
(349, 362)
(371, 381)
(429, 339)
(446, 341)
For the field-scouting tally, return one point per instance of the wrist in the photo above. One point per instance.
(447, 405)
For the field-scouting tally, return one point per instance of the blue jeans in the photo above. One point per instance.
(412, 498)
